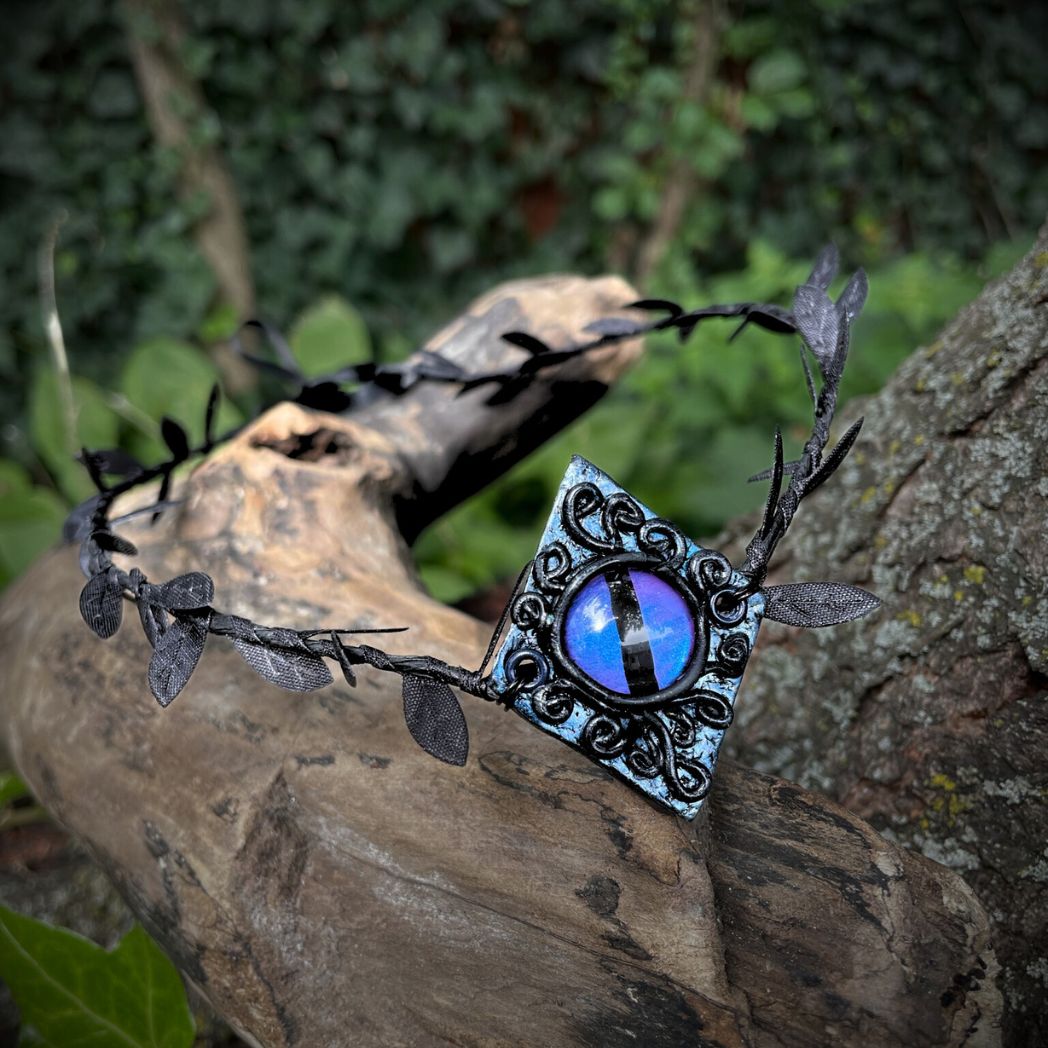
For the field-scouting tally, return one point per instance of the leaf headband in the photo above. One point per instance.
(622, 637)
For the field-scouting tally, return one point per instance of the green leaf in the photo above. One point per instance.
(328, 336)
(74, 993)
(186, 376)
(30, 521)
(96, 427)
(777, 71)
(11, 788)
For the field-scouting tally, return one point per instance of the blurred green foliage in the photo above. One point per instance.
(403, 157)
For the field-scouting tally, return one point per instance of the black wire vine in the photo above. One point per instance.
(177, 616)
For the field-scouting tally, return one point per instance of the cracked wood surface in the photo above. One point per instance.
(324, 882)
(932, 721)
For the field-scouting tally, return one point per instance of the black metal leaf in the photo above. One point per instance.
(777, 471)
(92, 559)
(390, 379)
(287, 369)
(658, 305)
(685, 326)
(809, 382)
(343, 660)
(165, 490)
(853, 297)
(175, 437)
(117, 462)
(834, 458)
(189, 591)
(435, 366)
(324, 396)
(93, 469)
(817, 321)
(114, 543)
(78, 522)
(435, 719)
(153, 619)
(825, 268)
(153, 507)
(283, 658)
(507, 392)
(613, 327)
(175, 655)
(209, 415)
(835, 368)
(102, 603)
(771, 318)
(817, 603)
(788, 469)
(535, 346)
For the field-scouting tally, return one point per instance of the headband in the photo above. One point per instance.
(622, 636)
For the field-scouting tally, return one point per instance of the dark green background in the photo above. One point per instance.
(395, 158)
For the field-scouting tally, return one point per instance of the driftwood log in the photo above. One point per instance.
(324, 882)
(937, 730)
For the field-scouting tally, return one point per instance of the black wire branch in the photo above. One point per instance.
(825, 329)
(177, 616)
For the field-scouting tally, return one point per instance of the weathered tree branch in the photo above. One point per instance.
(324, 882)
(682, 181)
(173, 100)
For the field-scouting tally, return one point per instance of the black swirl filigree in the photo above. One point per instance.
(682, 727)
(621, 513)
(712, 709)
(646, 759)
(552, 568)
(732, 656)
(580, 502)
(605, 737)
(664, 541)
(709, 570)
(687, 779)
(529, 610)
(554, 703)
(649, 744)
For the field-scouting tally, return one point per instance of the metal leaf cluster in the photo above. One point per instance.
(177, 616)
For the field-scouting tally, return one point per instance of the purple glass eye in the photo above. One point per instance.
(630, 631)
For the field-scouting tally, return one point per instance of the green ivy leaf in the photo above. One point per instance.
(96, 427)
(30, 520)
(74, 993)
(187, 377)
(328, 336)
(778, 70)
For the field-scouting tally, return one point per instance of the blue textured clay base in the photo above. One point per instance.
(628, 642)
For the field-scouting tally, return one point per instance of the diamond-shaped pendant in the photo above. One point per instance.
(628, 640)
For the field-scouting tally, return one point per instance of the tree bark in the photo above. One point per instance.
(325, 882)
(933, 722)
